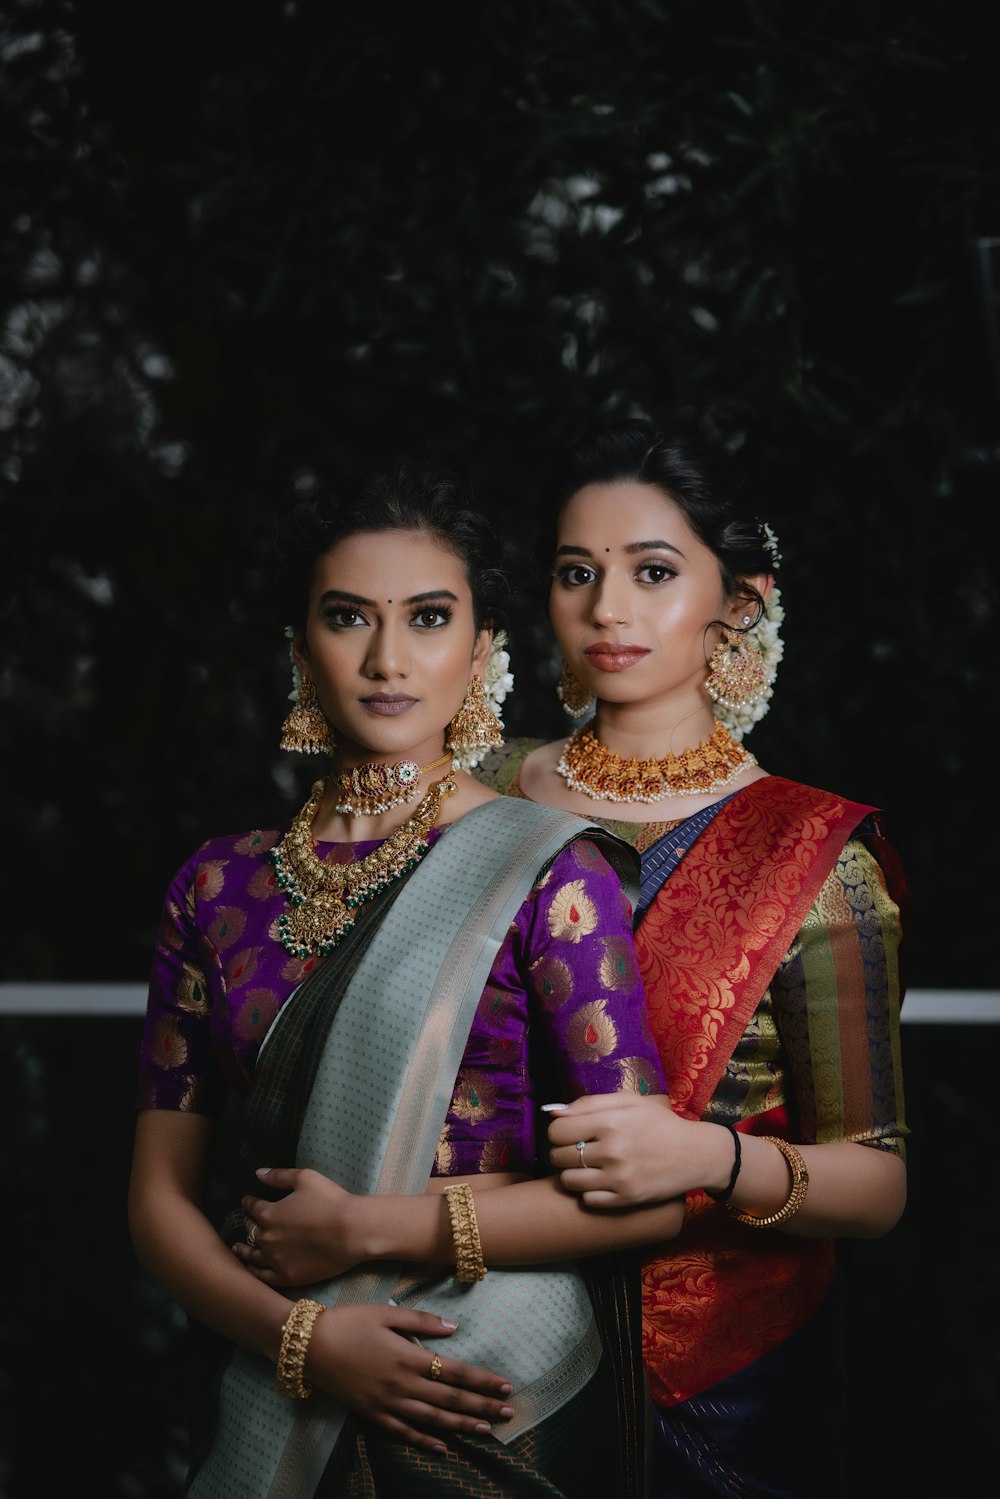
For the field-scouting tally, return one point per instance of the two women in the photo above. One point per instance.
(768, 939)
(394, 984)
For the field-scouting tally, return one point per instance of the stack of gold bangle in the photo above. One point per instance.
(295, 1337)
(796, 1197)
(469, 1265)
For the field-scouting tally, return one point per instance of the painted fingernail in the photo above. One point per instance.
(451, 1326)
(506, 1412)
(554, 1108)
(263, 1170)
(482, 1428)
(506, 1389)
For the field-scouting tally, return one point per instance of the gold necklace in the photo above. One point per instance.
(324, 898)
(377, 788)
(588, 766)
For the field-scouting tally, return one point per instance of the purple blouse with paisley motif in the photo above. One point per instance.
(563, 1012)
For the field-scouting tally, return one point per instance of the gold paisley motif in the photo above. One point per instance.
(553, 981)
(493, 1002)
(192, 991)
(263, 883)
(591, 1033)
(572, 914)
(209, 879)
(172, 927)
(444, 1157)
(474, 1097)
(255, 1014)
(242, 966)
(495, 1155)
(256, 842)
(587, 855)
(297, 969)
(168, 1048)
(227, 926)
(619, 970)
(637, 1075)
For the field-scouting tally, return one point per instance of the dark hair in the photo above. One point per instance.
(699, 478)
(405, 497)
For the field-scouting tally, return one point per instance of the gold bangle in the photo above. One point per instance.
(295, 1337)
(469, 1265)
(796, 1197)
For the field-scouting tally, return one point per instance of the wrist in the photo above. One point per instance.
(724, 1164)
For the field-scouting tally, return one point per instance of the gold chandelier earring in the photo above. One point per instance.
(737, 676)
(475, 727)
(575, 699)
(305, 730)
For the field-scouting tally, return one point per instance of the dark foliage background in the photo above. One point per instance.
(246, 247)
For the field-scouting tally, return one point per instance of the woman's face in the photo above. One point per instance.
(633, 594)
(391, 642)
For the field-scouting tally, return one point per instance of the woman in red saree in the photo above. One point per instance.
(768, 935)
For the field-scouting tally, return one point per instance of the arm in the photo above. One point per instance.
(841, 1049)
(364, 1357)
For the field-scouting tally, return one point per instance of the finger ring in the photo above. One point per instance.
(435, 1370)
(252, 1235)
(579, 1145)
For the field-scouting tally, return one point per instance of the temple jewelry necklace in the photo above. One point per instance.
(588, 766)
(369, 789)
(324, 898)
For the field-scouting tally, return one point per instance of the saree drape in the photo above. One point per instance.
(373, 1040)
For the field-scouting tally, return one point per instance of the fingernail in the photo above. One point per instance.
(482, 1428)
(554, 1108)
(439, 1451)
(506, 1389)
(506, 1412)
(263, 1170)
(451, 1326)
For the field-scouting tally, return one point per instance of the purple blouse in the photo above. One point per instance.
(563, 1012)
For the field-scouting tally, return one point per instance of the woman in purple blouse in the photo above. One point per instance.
(394, 985)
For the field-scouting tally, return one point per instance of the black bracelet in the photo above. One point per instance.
(727, 1190)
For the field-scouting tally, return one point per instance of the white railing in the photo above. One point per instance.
(922, 1006)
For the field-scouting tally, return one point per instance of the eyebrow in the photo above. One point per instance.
(341, 596)
(631, 549)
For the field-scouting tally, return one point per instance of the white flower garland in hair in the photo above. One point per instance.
(296, 674)
(498, 680)
(765, 636)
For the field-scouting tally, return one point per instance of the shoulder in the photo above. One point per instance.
(223, 860)
(795, 803)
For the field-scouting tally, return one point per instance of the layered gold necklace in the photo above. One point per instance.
(323, 897)
(372, 788)
(588, 766)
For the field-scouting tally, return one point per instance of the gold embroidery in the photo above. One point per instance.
(256, 842)
(637, 1075)
(171, 931)
(263, 883)
(572, 914)
(209, 879)
(474, 1097)
(192, 992)
(618, 970)
(242, 967)
(227, 926)
(587, 855)
(591, 1033)
(553, 980)
(255, 1014)
(444, 1158)
(495, 1155)
(169, 1048)
(296, 969)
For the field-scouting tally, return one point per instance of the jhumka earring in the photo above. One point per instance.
(737, 676)
(575, 699)
(475, 727)
(305, 729)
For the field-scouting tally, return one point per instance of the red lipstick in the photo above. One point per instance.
(611, 655)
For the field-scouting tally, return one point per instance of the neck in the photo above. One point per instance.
(651, 730)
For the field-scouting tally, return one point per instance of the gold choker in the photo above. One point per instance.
(372, 788)
(323, 897)
(588, 766)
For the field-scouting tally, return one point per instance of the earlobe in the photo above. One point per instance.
(481, 652)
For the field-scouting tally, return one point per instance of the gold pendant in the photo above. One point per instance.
(320, 919)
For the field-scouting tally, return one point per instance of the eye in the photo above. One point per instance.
(431, 618)
(574, 574)
(343, 618)
(655, 572)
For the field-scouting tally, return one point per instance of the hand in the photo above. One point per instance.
(636, 1150)
(368, 1359)
(307, 1236)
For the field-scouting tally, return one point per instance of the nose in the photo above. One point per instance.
(610, 602)
(387, 656)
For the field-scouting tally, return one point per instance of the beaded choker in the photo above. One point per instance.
(369, 789)
(323, 898)
(588, 766)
